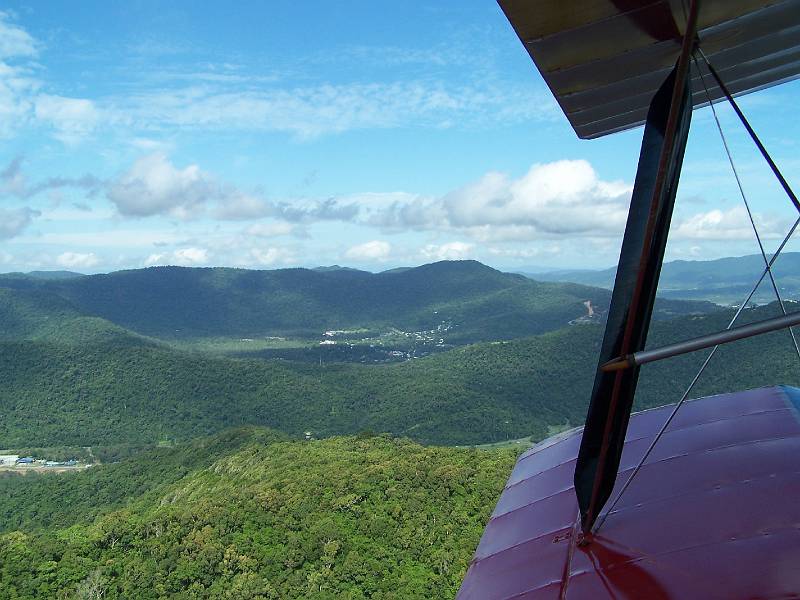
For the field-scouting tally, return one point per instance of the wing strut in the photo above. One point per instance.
(660, 160)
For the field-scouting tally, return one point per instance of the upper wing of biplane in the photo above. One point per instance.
(605, 59)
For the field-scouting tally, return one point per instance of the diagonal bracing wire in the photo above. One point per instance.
(744, 199)
(700, 371)
(767, 271)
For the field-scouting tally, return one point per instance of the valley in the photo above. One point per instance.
(288, 454)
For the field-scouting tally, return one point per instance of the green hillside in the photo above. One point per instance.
(254, 517)
(476, 302)
(88, 383)
(39, 315)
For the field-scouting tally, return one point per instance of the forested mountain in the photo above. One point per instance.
(477, 302)
(725, 280)
(253, 512)
(246, 515)
(79, 381)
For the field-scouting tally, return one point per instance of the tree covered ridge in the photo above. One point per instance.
(117, 388)
(355, 517)
(182, 302)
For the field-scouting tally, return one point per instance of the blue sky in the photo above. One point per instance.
(373, 135)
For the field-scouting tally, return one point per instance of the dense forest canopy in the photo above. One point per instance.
(246, 515)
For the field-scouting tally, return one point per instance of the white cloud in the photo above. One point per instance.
(450, 251)
(732, 224)
(191, 255)
(153, 185)
(14, 220)
(308, 112)
(228, 97)
(15, 41)
(554, 199)
(72, 118)
(77, 260)
(272, 256)
(181, 257)
(17, 80)
(376, 250)
(562, 197)
(17, 85)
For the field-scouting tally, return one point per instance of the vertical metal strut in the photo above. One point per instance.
(660, 161)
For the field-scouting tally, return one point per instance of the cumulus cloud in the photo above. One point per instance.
(153, 185)
(77, 260)
(564, 197)
(732, 224)
(449, 251)
(376, 250)
(14, 220)
(183, 257)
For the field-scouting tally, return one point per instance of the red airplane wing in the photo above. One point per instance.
(714, 512)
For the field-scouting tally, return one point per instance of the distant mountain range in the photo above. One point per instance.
(725, 281)
(477, 303)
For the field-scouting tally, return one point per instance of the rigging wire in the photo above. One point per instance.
(744, 199)
(767, 271)
(775, 170)
(700, 372)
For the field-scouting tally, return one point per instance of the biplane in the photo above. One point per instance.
(700, 499)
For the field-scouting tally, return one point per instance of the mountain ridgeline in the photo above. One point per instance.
(481, 303)
(724, 280)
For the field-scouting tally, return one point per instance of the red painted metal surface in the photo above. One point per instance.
(714, 512)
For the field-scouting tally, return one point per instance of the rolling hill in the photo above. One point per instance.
(478, 303)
